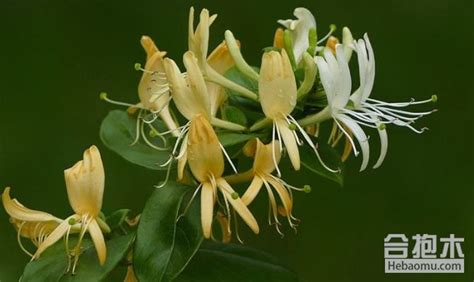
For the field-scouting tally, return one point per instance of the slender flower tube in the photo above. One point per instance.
(362, 110)
(278, 95)
(206, 162)
(262, 169)
(85, 188)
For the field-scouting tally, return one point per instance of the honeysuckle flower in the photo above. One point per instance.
(278, 95)
(32, 224)
(300, 29)
(336, 80)
(206, 162)
(198, 43)
(192, 98)
(85, 188)
(262, 170)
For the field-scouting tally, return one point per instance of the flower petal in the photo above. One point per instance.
(98, 240)
(283, 193)
(383, 147)
(290, 143)
(19, 212)
(252, 190)
(57, 234)
(277, 85)
(238, 205)
(207, 208)
(85, 183)
(360, 136)
(263, 159)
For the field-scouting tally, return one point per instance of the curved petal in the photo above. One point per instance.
(238, 205)
(383, 147)
(184, 157)
(252, 190)
(300, 30)
(360, 136)
(207, 208)
(283, 193)
(19, 212)
(57, 234)
(98, 240)
(263, 160)
(290, 143)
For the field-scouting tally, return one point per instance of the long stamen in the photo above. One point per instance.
(145, 138)
(18, 238)
(228, 158)
(103, 96)
(311, 144)
(164, 182)
(236, 227)
(332, 28)
(356, 153)
(188, 205)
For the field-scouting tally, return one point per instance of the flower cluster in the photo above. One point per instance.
(291, 105)
(302, 83)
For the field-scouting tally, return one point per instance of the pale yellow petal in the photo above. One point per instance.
(290, 143)
(204, 153)
(220, 59)
(98, 240)
(153, 89)
(18, 212)
(283, 193)
(252, 190)
(184, 158)
(55, 236)
(264, 154)
(207, 208)
(130, 276)
(197, 84)
(277, 85)
(85, 183)
(238, 205)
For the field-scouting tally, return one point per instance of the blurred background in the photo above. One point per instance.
(56, 56)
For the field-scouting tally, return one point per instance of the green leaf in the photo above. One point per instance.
(330, 157)
(228, 263)
(52, 264)
(164, 245)
(234, 114)
(118, 131)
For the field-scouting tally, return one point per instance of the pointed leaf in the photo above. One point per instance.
(164, 246)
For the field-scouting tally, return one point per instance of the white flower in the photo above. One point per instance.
(300, 29)
(336, 80)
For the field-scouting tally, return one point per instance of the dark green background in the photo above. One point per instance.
(56, 56)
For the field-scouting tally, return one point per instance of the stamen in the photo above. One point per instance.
(18, 238)
(332, 28)
(311, 144)
(188, 205)
(168, 172)
(145, 138)
(103, 96)
(356, 153)
(236, 227)
(228, 158)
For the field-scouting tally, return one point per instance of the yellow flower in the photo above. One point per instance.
(32, 224)
(85, 188)
(265, 161)
(278, 97)
(277, 88)
(153, 89)
(206, 162)
(192, 98)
